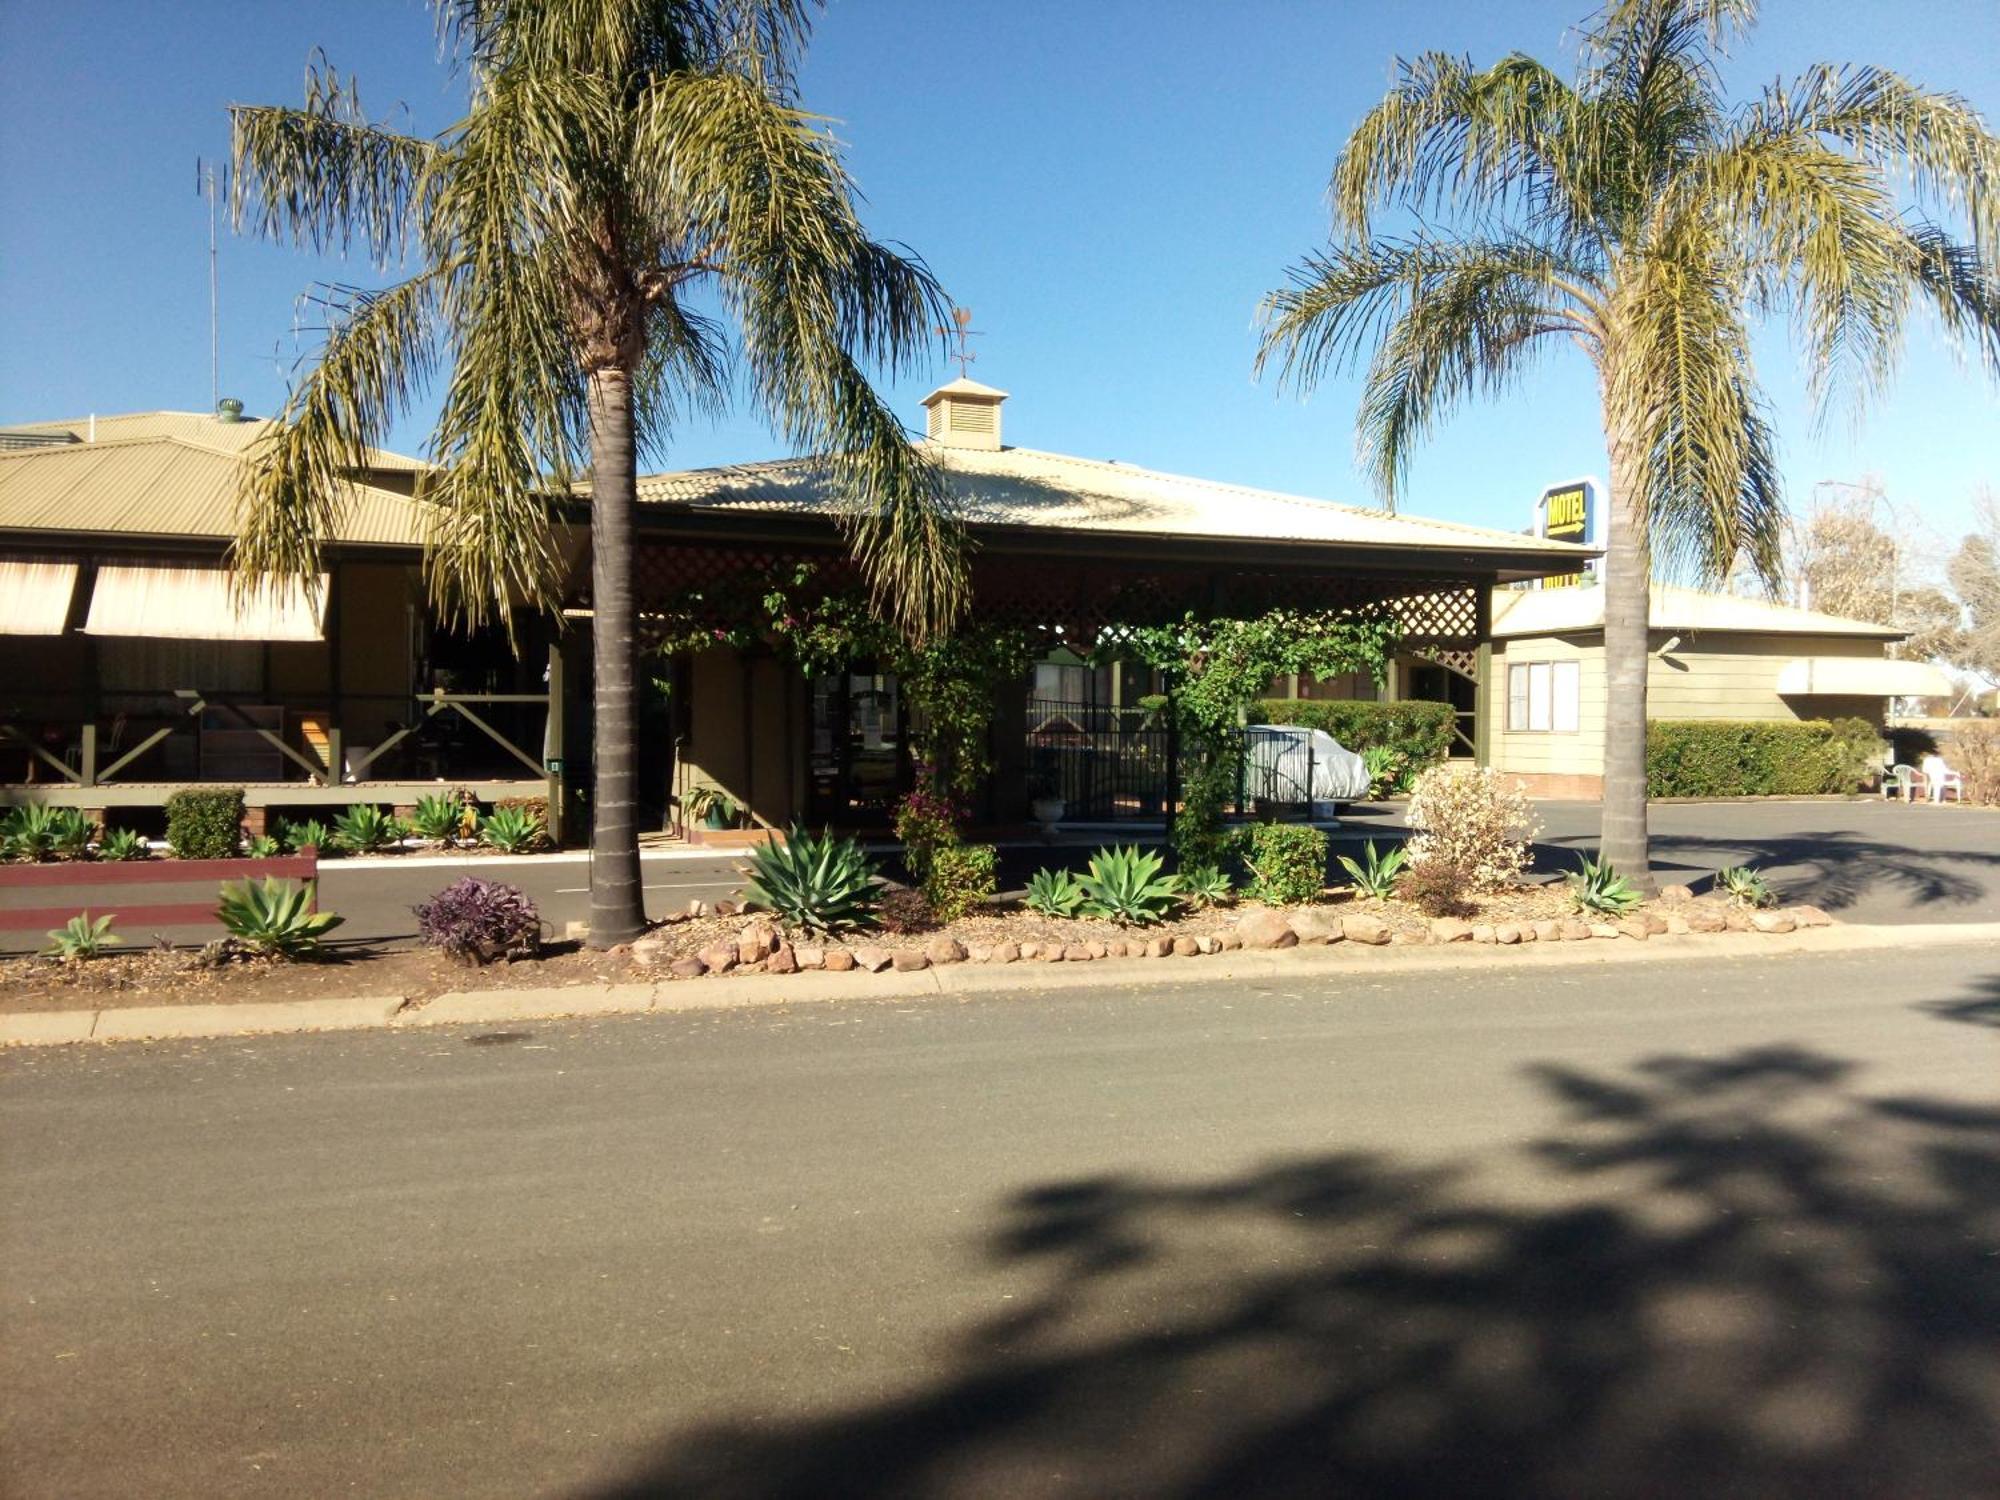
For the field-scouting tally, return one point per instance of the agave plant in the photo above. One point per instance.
(1206, 885)
(1385, 769)
(273, 916)
(1129, 886)
(511, 830)
(122, 844)
(29, 832)
(1376, 874)
(439, 819)
(72, 833)
(263, 847)
(1597, 887)
(1744, 885)
(1055, 893)
(820, 883)
(365, 829)
(307, 834)
(82, 938)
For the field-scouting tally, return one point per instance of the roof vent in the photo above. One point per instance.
(229, 409)
(964, 414)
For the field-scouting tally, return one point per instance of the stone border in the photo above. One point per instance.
(1293, 963)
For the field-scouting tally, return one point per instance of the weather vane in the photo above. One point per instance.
(962, 317)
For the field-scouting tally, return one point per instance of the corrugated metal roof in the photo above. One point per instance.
(201, 428)
(1025, 487)
(1564, 611)
(162, 485)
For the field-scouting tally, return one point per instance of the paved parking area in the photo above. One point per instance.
(1864, 860)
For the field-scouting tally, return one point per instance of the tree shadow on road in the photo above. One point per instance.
(1833, 869)
(1732, 1275)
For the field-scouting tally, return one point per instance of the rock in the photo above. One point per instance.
(1053, 953)
(1186, 947)
(1315, 924)
(687, 968)
(1656, 922)
(784, 961)
(618, 950)
(945, 950)
(1264, 928)
(1773, 921)
(1603, 930)
(1006, 953)
(697, 908)
(1707, 919)
(1229, 942)
(1676, 893)
(1483, 932)
(1031, 950)
(756, 941)
(1208, 945)
(649, 951)
(909, 960)
(1736, 919)
(1574, 930)
(1678, 924)
(1161, 947)
(719, 959)
(979, 953)
(839, 960)
(576, 932)
(1635, 927)
(873, 960)
(1450, 930)
(1371, 930)
(1508, 934)
(810, 956)
(1077, 953)
(1810, 916)
(1411, 936)
(724, 908)
(1548, 930)
(1103, 950)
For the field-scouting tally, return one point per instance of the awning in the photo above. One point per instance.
(195, 604)
(34, 597)
(1861, 677)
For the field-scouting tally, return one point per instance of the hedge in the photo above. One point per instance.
(1746, 758)
(205, 822)
(1420, 730)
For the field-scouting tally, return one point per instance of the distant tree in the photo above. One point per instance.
(1840, 561)
(624, 168)
(1975, 578)
(1634, 215)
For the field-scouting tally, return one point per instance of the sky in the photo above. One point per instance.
(1110, 185)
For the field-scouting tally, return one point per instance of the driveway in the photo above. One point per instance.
(1718, 1228)
(1864, 860)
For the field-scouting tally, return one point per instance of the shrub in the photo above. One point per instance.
(1287, 863)
(29, 832)
(1743, 885)
(122, 844)
(1975, 755)
(274, 917)
(309, 834)
(1860, 749)
(902, 910)
(1206, 885)
(1437, 888)
(81, 938)
(961, 877)
(1387, 770)
(1128, 886)
(512, 828)
(1755, 758)
(1055, 893)
(926, 821)
(821, 883)
(1418, 731)
(364, 829)
(1376, 874)
(1198, 841)
(1476, 821)
(1596, 887)
(205, 822)
(478, 921)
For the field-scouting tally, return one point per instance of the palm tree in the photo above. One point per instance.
(1636, 215)
(617, 161)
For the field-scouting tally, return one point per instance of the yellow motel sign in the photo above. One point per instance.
(1567, 513)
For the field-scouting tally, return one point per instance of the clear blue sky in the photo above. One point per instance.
(1110, 185)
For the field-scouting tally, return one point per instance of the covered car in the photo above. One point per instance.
(1290, 764)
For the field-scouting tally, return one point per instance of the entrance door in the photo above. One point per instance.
(857, 766)
(1436, 684)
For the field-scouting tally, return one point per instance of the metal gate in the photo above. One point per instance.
(1107, 764)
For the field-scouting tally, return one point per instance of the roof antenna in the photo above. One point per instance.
(962, 317)
(205, 187)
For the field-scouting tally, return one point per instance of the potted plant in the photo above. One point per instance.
(1045, 805)
(712, 805)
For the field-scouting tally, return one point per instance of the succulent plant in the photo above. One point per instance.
(1129, 886)
(1375, 874)
(1599, 888)
(818, 882)
(511, 830)
(1744, 885)
(82, 938)
(1206, 885)
(365, 829)
(274, 917)
(1055, 893)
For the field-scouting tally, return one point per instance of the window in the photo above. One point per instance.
(1543, 697)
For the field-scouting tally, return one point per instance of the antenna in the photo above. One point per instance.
(962, 318)
(205, 187)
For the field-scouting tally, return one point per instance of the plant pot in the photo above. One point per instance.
(1047, 812)
(715, 818)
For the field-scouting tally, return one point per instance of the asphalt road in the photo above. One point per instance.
(1726, 1229)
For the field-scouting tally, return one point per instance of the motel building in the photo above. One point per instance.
(128, 670)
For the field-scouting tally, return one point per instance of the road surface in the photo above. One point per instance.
(1723, 1228)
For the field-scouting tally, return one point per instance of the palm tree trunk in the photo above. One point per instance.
(617, 904)
(1628, 566)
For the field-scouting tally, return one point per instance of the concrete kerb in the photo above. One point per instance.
(488, 1007)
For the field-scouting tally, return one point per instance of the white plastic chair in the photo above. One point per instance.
(1901, 780)
(1940, 778)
